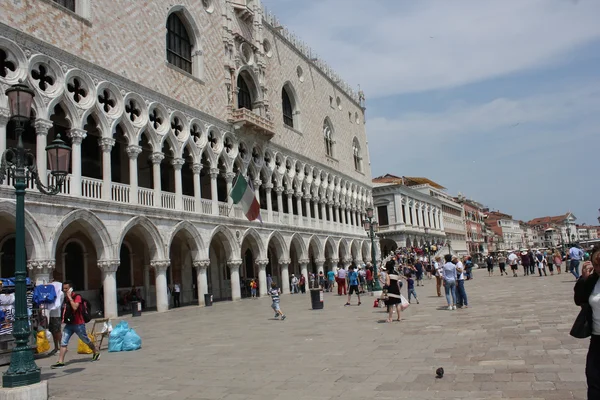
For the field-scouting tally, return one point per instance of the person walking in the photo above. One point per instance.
(55, 312)
(587, 294)
(502, 264)
(176, 295)
(274, 292)
(341, 281)
(74, 324)
(353, 287)
(253, 287)
(513, 260)
(449, 275)
(369, 276)
(490, 265)
(525, 262)
(330, 279)
(531, 262)
(294, 284)
(419, 272)
(438, 275)
(541, 262)
(410, 283)
(558, 261)
(575, 255)
(550, 261)
(461, 293)
(302, 284)
(394, 297)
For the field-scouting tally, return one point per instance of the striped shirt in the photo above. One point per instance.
(274, 293)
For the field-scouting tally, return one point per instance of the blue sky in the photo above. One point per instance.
(498, 100)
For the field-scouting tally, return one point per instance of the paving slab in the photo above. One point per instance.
(512, 342)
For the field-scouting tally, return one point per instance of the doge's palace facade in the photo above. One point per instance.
(164, 103)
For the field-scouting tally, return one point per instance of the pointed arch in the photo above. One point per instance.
(314, 239)
(354, 249)
(297, 242)
(331, 244)
(173, 143)
(343, 249)
(71, 114)
(280, 245)
(150, 234)
(93, 226)
(34, 238)
(190, 36)
(193, 238)
(231, 245)
(258, 247)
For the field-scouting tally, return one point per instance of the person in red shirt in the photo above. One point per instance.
(74, 324)
(369, 278)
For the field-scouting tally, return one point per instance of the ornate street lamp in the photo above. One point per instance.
(20, 164)
(371, 228)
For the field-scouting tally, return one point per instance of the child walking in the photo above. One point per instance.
(253, 286)
(411, 288)
(274, 293)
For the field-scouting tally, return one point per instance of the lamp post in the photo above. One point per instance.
(20, 164)
(371, 226)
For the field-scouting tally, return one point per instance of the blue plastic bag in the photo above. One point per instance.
(115, 340)
(132, 341)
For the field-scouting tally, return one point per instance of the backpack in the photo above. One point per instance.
(86, 311)
(44, 294)
(539, 257)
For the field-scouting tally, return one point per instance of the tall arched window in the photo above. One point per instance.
(68, 4)
(179, 45)
(328, 137)
(288, 109)
(244, 95)
(356, 154)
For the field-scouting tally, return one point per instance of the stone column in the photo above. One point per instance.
(147, 281)
(234, 269)
(214, 194)
(414, 216)
(196, 169)
(77, 136)
(177, 165)
(299, 207)
(133, 152)
(324, 211)
(304, 268)
(290, 204)
(4, 118)
(257, 183)
(334, 263)
(320, 262)
(351, 217)
(106, 144)
(316, 209)
(307, 206)
(41, 130)
(262, 277)
(156, 159)
(441, 220)
(285, 276)
(40, 270)
(162, 295)
(279, 191)
(229, 180)
(109, 286)
(268, 187)
(202, 281)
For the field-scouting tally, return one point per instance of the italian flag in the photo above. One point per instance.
(243, 192)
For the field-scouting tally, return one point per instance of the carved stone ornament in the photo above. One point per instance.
(108, 266)
(160, 265)
(40, 265)
(202, 264)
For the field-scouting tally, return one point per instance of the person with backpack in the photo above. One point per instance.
(541, 262)
(76, 312)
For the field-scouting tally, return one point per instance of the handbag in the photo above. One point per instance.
(581, 327)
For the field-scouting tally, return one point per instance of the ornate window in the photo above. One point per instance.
(179, 45)
(328, 137)
(68, 4)
(244, 95)
(288, 109)
(356, 153)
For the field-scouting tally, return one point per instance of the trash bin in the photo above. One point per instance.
(208, 300)
(316, 299)
(136, 309)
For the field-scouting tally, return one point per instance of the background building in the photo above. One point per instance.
(407, 217)
(507, 228)
(475, 226)
(163, 108)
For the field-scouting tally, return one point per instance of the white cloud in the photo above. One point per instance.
(393, 47)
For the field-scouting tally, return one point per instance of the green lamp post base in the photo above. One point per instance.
(12, 379)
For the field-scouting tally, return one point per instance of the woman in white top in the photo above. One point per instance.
(438, 275)
(587, 295)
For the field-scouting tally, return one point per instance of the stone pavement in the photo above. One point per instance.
(511, 343)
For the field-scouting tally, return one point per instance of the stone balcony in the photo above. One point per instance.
(150, 201)
(250, 121)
